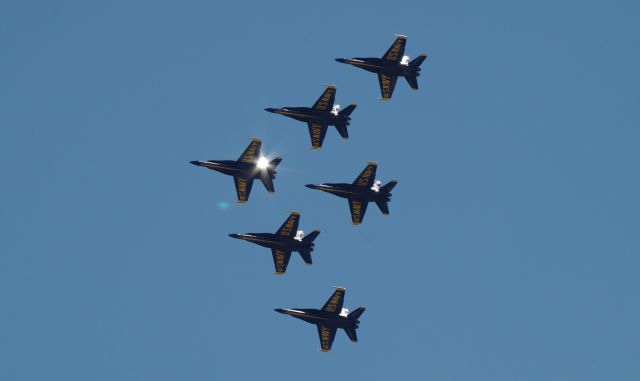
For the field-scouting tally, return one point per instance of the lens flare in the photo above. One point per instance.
(263, 163)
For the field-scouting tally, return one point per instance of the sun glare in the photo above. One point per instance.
(263, 163)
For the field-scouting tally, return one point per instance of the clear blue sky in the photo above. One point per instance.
(512, 248)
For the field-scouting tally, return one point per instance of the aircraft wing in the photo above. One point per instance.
(367, 176)
(396, 51)
(280, 260)
(326, 335)
(387, 85)
(251, 153)
(290, 227)
(243, 188)
(325, 102)
(358, 209)
(317, 131)
(334, 304)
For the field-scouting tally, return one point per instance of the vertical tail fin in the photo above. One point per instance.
(348, 110)
(311, 236)
(389, 186)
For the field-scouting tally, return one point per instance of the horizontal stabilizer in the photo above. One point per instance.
(306, 256)
(274, 163)
(383, 206)
(351, 332)
(311, 236)
(416, 62)
(342, 130)
(355, 314)
(389, 186)
(348, 110)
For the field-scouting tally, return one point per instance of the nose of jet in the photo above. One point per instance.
(269, 109)
(195, 162)
(341, 60)
(311, 186)
(234, 235)
(280, 311)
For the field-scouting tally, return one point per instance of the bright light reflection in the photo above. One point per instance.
(263, 163)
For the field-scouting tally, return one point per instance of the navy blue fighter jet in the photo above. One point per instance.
(392, 65)
(287, 239)
(322, 114)
(361, 192)
(244, 170)
(329, 318)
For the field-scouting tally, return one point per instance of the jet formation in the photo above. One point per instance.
(361, 192)
(329, 319)
(322, 114)
(244, 170)
(392, 65)
(365, 189)
(286, 240)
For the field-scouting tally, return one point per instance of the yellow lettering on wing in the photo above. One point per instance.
(386, 86)
(356, 210)
(286, 229)
(316, 131)
(242, 189)
(395, 49)
(364, 179)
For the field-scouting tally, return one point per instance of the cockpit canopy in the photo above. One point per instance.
(344, 312)
(376, 186)
(335, 110)
(299, 235)
(405, 61)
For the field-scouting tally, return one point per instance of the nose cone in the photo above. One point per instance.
(311, 186)
(195, 162)
(271, 109)
(341, 60)
(280, 311)
(234, 235)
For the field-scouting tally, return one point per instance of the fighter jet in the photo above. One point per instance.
(329, 318)
(322, 114)
(244, 170)
(287, 239)
(363, 190)
(392, 65)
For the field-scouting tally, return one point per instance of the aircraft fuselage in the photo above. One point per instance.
(315, 316)
(271, 240)
(308, 114)
(382, 66)
(353, 192)
(233, 168)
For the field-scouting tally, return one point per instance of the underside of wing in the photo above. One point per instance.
(317, 131)
(358, 209)
(367, 176)
(387, 85)
(334, 304)
(290, 227)
(326, 100)
(280, 260)
(251, 153)
(326, 335)
(243, 188)
(396, 50)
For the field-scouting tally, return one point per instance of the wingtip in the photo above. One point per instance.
(355, 223)
(329, 86)
(294, 212)
(339, 288)
(278, 273)
(372, 163)
(401, 36)
(241, 202)
(256, 139)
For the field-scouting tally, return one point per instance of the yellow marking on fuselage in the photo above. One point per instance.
(295, 114)
(251, 239)
(358, 63)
